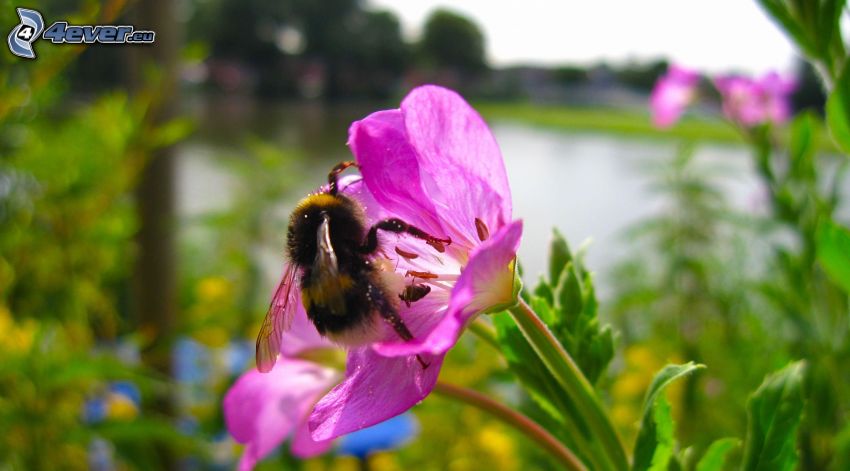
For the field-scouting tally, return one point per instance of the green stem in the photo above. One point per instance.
(516, 420)
(485, 332)
(569, 376)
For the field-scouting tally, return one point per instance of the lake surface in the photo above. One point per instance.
(590, 186)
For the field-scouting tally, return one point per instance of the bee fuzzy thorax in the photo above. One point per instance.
(347, 226)
(349, 289)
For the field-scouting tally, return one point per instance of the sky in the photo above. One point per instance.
(711, 35)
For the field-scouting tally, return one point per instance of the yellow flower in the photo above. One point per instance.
(498, 444)
(213, 289)
(120, 407)
(17, 337)
(212, 336)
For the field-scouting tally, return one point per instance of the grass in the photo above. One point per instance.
(608, 120)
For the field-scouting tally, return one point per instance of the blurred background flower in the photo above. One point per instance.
(672, 93)
(387, 435)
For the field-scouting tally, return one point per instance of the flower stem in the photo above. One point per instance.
(575, 385)
(485, 332)
(516, 420)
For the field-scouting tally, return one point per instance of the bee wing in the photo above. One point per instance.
(278, 319)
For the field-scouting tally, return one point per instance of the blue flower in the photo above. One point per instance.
(121, 401)
(386, 435)
(191, 361)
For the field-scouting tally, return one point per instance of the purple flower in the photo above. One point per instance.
(263, 409)
(672, 93)
(435, 164)
(752, 102)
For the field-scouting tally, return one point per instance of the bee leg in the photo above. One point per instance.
(332, 177)
(398, 226)
(389, 313)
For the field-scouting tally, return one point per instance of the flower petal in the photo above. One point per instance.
(302, 335)
(262, 409)
(375, 389)
(355, 187)
(486, 282)
(461, 166)
(303, 445)
(672, 93)
(389, 168)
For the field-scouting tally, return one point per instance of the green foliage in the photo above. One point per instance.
(568, 308)
(642, 77)
(814, 25)
(453, 41)
(567, 303)
(716, 455)
(834, 252)
(559, 413)
(45, 380)
(838, 110)
(654, 447)
(775, 411)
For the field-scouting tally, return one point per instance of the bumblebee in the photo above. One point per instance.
(333, 261)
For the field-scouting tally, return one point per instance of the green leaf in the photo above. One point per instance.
(774, 413)
(715, 456)
(838, 110)
(802, 146)
(566, 420)
(544, 290)
(568, 307)
(833, 248)
(652, 434)
(559, 256)
(664, 435)
(171, 132)
(568, 298)
(785, 17)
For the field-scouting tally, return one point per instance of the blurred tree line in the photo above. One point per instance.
(298, 48)
(343, 49)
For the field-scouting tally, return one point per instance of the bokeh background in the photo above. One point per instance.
(144, 192)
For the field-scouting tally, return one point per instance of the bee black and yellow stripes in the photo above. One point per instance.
(343, 292)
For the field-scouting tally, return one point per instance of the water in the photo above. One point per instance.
(590, 186)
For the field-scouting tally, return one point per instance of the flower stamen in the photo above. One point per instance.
(421, 274)
(438, 245)
(483, 231)
(405, 254)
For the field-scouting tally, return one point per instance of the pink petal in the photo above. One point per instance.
(668, 102)
(682, 75)
(302, 335)
(303, 445)
(750, 102)
(486, 282)
(354, 187)
(389, 168)
(672, 94)
(375, 389)
(462, 170)
(262, 409)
